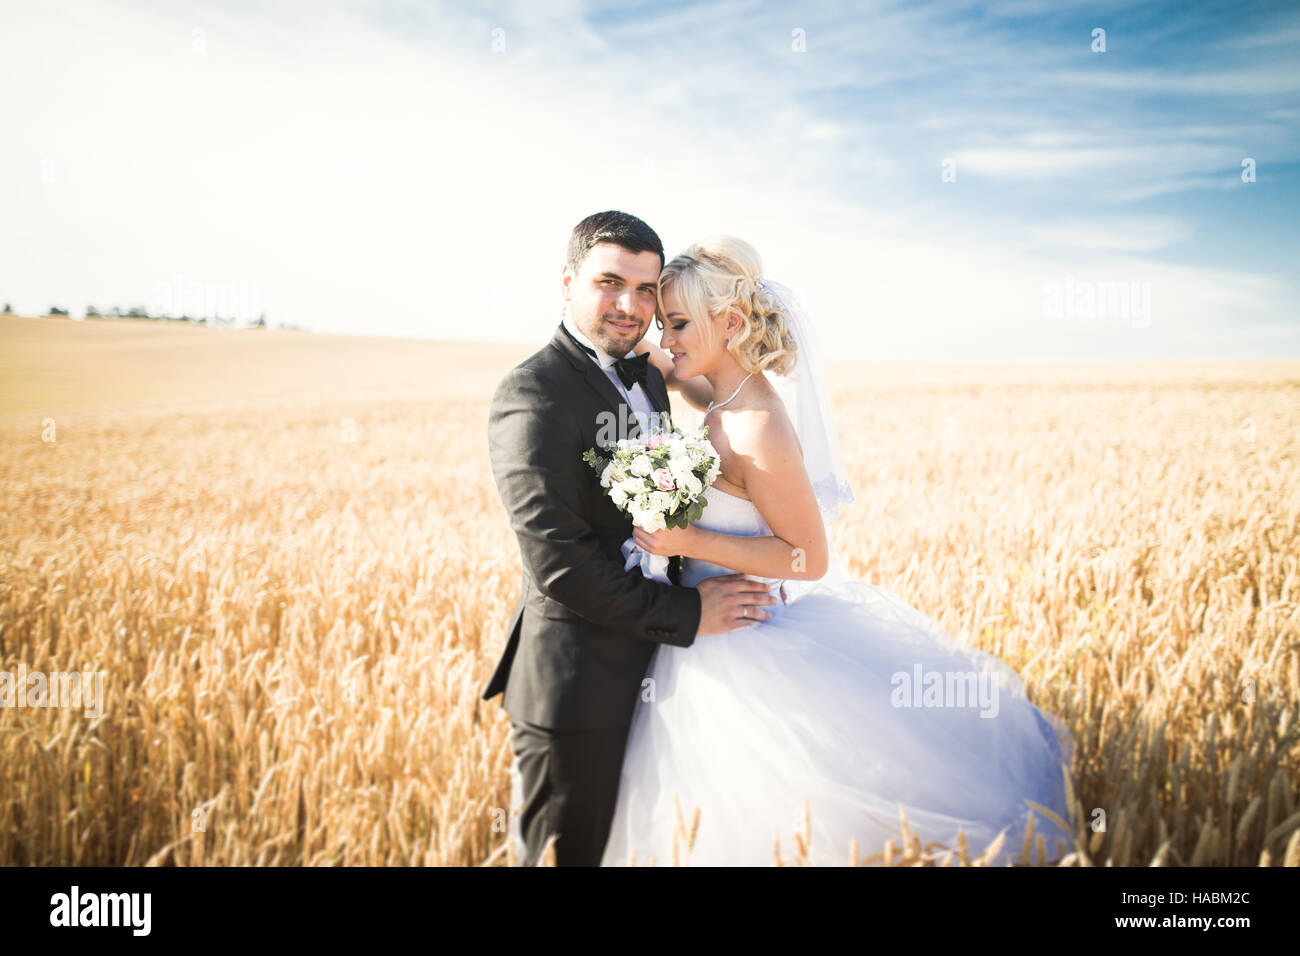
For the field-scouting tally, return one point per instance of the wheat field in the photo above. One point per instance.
(286, 555)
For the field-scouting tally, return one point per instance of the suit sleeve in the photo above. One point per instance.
(535, 448)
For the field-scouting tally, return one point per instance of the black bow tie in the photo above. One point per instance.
(630, 370)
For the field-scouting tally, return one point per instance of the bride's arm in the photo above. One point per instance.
(767, 451)
(697, 391)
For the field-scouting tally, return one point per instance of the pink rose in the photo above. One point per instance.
(664, 479)
(654, 441)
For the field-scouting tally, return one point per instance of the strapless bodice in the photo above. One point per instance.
(726, 513)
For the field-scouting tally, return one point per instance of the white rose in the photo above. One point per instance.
(690, 484)
(618, 496)
(650, 521)
(662, 501)
(641, 465)
(606, 476)
(684, 472)
(632, 486)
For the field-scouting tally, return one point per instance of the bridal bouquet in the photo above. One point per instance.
(660, 482)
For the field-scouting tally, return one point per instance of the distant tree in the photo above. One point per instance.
(8, 309)
(55, 310)
(92, 312)
(261, 322)
(137, 312)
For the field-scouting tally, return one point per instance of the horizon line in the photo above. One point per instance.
(879, 360)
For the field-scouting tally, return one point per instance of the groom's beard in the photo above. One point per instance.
(618, 342)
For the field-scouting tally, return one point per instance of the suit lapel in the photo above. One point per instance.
(658, 392)
(596, 378)
(599, 382)
(591, 372)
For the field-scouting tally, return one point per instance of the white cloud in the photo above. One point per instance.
(1113, 235)
(1135, 162)
(354, 178)
(1237, 82)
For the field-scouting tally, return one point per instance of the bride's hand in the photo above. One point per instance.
(668, 542)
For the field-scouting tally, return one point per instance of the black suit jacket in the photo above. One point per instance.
(581, 639)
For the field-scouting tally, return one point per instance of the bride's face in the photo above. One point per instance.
(682, 337)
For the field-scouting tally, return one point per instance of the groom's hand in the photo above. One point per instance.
(730, 601)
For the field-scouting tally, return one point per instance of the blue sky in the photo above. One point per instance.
(414, 168)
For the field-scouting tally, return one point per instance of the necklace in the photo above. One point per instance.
(713, 405)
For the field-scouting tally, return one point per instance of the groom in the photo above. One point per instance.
(585, 629)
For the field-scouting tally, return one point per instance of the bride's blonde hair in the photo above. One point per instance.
(718, 275)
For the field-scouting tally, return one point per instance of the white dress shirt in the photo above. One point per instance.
(637, 399)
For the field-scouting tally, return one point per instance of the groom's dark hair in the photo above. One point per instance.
(613, 226)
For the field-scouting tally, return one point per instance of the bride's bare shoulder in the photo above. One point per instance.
(761, 428)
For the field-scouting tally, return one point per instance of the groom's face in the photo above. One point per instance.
(612, 296)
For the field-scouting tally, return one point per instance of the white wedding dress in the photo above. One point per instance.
(847, 698)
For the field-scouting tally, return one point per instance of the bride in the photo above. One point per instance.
(842, 702)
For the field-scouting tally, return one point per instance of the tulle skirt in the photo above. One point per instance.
(847, 704)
